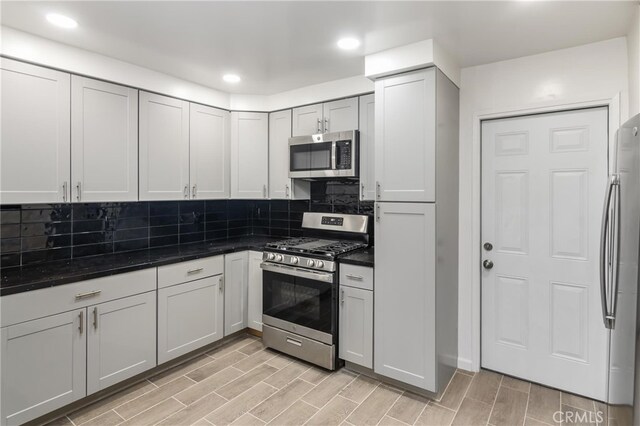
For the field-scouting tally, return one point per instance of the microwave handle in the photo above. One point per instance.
(334, 160)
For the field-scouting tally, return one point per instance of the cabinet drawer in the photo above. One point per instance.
(189, 271)
(16, 308)
(356, 276)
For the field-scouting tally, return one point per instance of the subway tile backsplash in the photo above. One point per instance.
(33, 233)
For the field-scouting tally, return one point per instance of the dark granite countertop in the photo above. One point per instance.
(37, 276)
(362, 257)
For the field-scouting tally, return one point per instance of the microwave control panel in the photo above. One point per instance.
(344, 152)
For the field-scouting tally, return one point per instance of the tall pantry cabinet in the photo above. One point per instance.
(416, 228)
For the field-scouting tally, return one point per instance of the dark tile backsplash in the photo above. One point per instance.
(33, 233)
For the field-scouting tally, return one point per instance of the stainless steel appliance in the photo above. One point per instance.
(300, 286)
(619, 250)
(324, 155)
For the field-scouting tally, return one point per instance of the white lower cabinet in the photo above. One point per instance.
(43, 365)
(190, 315)
(121, 340)
(254, 299)
(356, 326)
(236, 283)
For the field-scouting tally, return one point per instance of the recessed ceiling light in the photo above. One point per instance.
(348, 43)
(61, 20)
(231, 78)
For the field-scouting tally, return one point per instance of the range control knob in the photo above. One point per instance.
(311, 262)
(294, 260)
(271, 256)
(279, 258)
(319, 263)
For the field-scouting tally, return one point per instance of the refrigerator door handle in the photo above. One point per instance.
(605, 248)
(615, 250)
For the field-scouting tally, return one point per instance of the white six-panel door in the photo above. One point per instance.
(35, 160)
(104, 141)
(209, 151)
(164, 148)
(543, 182)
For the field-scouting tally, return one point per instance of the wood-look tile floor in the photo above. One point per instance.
(242, 383)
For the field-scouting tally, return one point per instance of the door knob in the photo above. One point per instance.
(488, 264)
(488, 246)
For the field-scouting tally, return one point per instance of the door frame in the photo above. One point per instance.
(614, 106)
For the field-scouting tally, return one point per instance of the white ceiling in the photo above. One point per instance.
(278, 46)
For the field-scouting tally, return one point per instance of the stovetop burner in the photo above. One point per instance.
(316, 246)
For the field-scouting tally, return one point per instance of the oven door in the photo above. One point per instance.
(300, 301)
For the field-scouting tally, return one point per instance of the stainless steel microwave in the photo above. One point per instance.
(324, 155)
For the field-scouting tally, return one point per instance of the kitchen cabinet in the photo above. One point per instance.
(367, 148)
(405, 302)
(43, 365)
(280, 185)
(121, 340)
(34, 157)
(104, 141)
(209, 148)
(356, 315)
(254, 291)
(190, 306)
(334, 116)
(164, 148)
(249, 155)
(405, 137)
(236, 283)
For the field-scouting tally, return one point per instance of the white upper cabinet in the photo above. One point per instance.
(104, 141)
(209, 139)
(405, 137)
(335, 116)
(340, 116)
(249, 155)
(307, 120)
(35, 160)
(367, 148)
(164, 148)
(279, 134)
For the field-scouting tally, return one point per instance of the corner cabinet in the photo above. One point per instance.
(249, 155)
(164, 148)
(280, 185)
(36, 140)
(209, 151)
(334, 116)
(236, 270)
(367, 148)
(405, 137)
(104, 141)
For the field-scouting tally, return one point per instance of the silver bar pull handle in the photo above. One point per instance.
(342, 297)
(64, 191)
(81, 326)
(377, 212)
(319, 126)
(194, 271)
(326, 125)
(605, 247)
(362, 189)
(286, 191)
(194, 191)
(185, 191)
(87, 295)
(294, 341)
(354, 277)
(378, 190)
(95, 318)
(221, 283)
(79, 191)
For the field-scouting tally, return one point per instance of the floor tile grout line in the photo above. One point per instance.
(327, 403)
(421, 412)
(282, 411)
(389, 409)
(526, 408)
(495, 398)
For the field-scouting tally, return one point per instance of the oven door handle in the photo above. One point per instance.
(326, 277)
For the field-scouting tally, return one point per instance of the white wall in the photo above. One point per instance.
(560, 78)
(633, 48)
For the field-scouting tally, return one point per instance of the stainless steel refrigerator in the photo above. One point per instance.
(619, 250)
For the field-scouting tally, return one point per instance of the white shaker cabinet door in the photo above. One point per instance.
(36, 142)
(307, 120)
(209, 146)
(279, 134)
(367, 148)
(104, 141)
(356, 326)
(43, 365)
(164, 148)
(405, 137)
(190, 315)
(236, 279)
(121, 340)
(404, 307)
(254, 305)
(249, 155)
(340, 115)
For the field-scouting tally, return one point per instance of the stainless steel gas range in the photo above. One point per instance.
(300, 286)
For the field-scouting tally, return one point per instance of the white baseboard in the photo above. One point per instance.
(466, 364)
